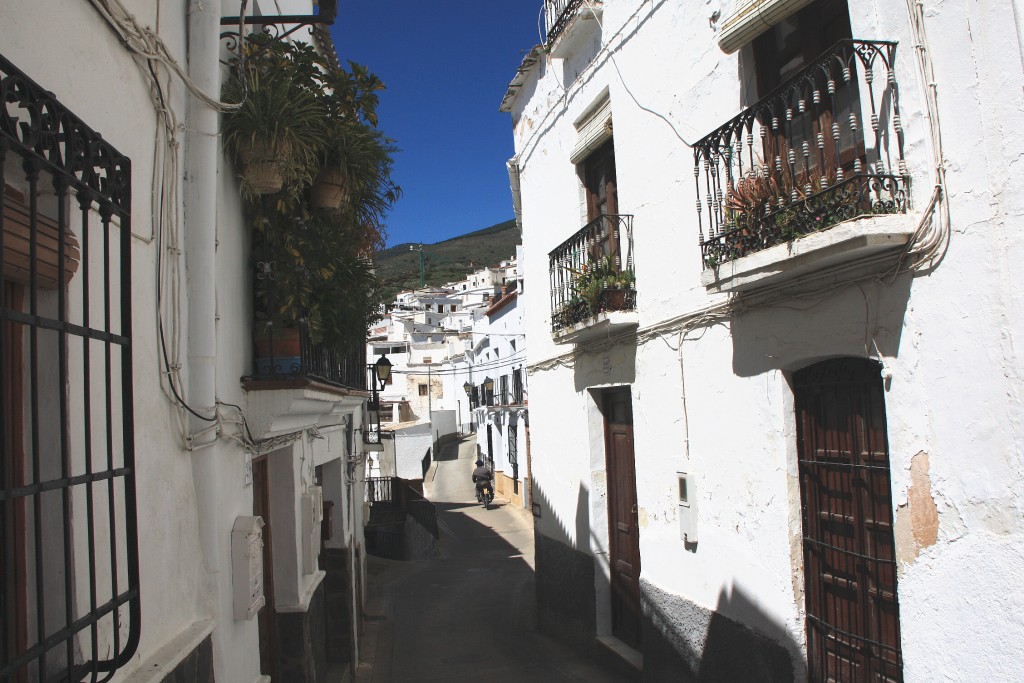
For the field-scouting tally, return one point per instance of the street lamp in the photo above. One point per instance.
(382, 371)
(469, 401)
(379, 374)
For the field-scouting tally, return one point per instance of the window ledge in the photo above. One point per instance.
(845, 242)
(601, 325)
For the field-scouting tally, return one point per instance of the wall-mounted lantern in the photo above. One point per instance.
(380, 372)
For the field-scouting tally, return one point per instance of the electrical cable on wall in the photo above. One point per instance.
(149, 53)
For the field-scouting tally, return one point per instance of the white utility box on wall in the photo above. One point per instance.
(247, 567)
(312, 516)
(687, 508)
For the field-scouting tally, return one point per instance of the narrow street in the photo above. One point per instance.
(468, 614)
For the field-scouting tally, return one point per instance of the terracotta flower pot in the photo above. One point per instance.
(330, 189)
(285, 342)
(261, 165)
(614, 299)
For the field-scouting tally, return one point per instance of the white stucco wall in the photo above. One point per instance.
(69, 50)
(721, 408)
(411, 444)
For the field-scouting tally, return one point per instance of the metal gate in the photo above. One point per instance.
(853, 628)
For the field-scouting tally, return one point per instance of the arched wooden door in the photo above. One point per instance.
(853, 627)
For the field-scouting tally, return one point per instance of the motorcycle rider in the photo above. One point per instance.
(481, 474)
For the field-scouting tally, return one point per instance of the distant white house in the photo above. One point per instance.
(444, 345)
(502, 413)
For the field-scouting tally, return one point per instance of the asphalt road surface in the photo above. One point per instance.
(468, 615)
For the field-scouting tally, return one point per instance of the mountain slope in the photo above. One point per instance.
(447, 261)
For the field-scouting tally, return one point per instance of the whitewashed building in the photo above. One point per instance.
(169, 509)
(776, 393)
(502, 415)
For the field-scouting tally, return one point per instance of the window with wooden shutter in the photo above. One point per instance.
(18, 224)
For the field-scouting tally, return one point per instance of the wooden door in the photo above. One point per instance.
(267, 619)
(599, 180)
(490, 446)
(782, 52)
(623, 526)
(853, 629)
(602, 199)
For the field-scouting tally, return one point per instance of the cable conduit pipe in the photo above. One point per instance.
(200, 213)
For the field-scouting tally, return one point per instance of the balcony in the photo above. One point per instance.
(294, 358)
(823, 148)
(564, 21)
(510, 394)
(593, 289)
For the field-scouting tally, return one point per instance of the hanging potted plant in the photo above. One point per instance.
(330, 188)
(354, 148)
(279, 124)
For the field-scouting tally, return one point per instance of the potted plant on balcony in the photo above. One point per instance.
(617, 287)
(279, 124)
(601, 286)
(310, 272)
(313, 276)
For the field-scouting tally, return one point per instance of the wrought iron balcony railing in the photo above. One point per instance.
(280, 358)
(557, 15)
(823, 147)
(592, 272)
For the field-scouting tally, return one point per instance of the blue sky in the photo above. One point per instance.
(447, 65)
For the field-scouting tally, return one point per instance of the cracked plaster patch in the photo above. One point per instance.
(917, 521)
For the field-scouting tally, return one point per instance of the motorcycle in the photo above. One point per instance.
(485, 493)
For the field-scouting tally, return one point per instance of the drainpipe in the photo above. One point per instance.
(201, 161)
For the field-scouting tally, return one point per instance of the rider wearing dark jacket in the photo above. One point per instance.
(481, 474)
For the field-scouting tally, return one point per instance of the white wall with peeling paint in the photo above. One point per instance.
(715, 400)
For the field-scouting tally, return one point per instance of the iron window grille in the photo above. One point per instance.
(69, 567)
(517, 386)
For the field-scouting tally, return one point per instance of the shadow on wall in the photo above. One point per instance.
(681, 640)
(614, 366)
(862, 322)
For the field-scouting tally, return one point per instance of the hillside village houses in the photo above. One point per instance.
(457, 354)
(776, 393)
(172, 506)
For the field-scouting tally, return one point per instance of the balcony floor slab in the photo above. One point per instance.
(601, 325)
(849, 241)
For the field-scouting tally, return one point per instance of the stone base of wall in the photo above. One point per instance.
(684, 642)
(505, 486)
(565, 593)
(197, 667)
(338, 603)
(302, 640)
